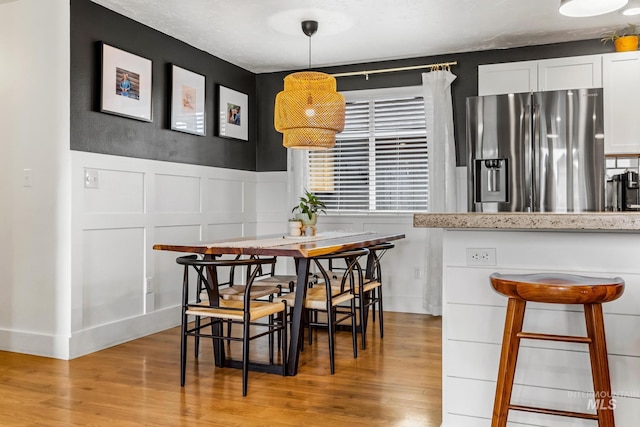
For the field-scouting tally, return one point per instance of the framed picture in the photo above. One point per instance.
(233, 114)
(126, 84)
(187, 101)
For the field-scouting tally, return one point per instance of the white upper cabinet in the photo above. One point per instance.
(510, 77)
(576, 72)
(617, 73)
(621, 73)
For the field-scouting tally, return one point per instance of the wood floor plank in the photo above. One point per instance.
(395, 381)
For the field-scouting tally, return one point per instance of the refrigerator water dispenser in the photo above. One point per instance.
(491, 180)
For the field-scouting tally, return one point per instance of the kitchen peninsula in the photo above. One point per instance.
(551, 374)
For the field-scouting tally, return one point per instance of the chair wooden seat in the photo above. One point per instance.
(236, 292)
(555, 288)
(316, 298)
(234, 309)
(285, 281)
(366, 285)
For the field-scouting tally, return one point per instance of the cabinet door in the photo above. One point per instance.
(511, 77)
(576, 72)
(621, 78)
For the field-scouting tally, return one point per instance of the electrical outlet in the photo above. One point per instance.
(149, 285)
(417, 273)
(481, 256)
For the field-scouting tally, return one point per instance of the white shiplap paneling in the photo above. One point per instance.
(547, 373)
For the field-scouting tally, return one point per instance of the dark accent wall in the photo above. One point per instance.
(98, 132)
(271, 155)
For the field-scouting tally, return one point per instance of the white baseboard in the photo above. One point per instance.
(89, 340)
(104, 336)
(34, 344)
(404, 304)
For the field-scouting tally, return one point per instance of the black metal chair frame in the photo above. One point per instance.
(337, 314)
(290, 280)
(230, 283)
(206, 270)
(373, 297)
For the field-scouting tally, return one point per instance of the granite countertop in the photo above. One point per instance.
(530, 221)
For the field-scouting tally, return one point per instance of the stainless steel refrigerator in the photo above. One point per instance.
(536, 152)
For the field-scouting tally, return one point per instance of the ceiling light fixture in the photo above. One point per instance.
(631, 9)
(309, 112)
(584, 8)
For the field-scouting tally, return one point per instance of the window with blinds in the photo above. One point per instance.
(379, 162)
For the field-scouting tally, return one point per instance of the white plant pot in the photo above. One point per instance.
(295, 228)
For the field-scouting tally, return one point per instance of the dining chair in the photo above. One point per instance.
(230, 289)
(219, 311)
(369, 295)
(268, 276)
(335, 300)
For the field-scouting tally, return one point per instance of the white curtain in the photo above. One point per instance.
(442, 175)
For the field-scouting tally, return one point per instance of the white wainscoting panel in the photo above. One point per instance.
(139, 203)
(118, 192)
(175, 193)
(113, 267)
(224, 195)
(167, 278)
(224, 231)
(142, 202)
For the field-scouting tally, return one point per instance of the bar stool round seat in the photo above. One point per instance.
(555, 288)
(558, 288)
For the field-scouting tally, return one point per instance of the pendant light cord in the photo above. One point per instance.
(309, 53)
(309, 28)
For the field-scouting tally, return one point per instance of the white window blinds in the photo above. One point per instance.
(379, 162)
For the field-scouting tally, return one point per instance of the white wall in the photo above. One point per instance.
(35, 221)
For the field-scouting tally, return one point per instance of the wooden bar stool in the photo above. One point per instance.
(555, 288)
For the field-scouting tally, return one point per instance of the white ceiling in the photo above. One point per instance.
(265, 35)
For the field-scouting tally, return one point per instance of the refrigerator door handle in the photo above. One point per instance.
(535, 155)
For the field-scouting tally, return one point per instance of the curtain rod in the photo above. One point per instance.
(391, 70)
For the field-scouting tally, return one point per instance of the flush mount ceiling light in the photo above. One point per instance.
(632, 8)
(584, 8)
(309, 112)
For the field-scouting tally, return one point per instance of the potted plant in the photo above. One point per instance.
(308, 208)
(624, 40)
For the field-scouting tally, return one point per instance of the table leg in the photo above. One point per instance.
(296, 316)
(369, 270)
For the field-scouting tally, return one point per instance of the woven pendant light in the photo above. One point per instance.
(309, 112)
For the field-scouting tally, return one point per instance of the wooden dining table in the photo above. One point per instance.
(302, 249)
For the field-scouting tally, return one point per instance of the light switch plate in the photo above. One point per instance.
(91, 178)
(27, 180)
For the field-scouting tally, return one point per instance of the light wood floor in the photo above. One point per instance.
(396, 381)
